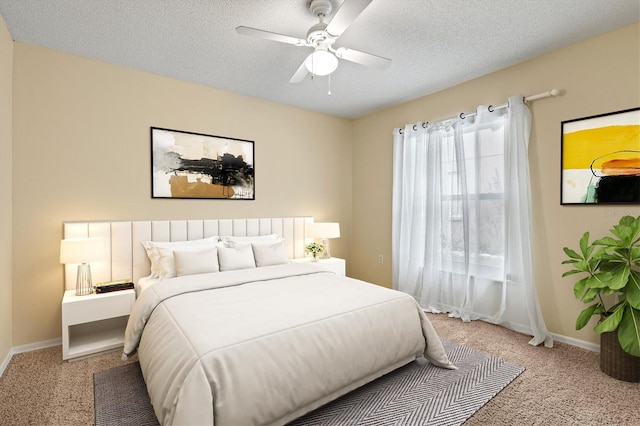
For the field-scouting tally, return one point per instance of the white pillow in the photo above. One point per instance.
(188, 262)
(260, 239)
(233, 258)
(154, 256)
(269, 254)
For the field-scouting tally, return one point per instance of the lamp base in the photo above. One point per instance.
(83, 280)
(326, 253)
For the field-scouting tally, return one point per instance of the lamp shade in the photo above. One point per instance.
(81, 250)
(321, 62)
(324, 230)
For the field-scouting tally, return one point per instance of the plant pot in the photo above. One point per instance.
(615, 362)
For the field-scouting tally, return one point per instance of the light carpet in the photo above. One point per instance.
(416, 394)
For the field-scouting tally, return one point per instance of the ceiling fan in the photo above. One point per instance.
(321, 36)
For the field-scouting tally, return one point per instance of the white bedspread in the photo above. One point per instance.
(266, 345)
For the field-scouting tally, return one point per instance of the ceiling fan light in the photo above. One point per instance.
(321, 62)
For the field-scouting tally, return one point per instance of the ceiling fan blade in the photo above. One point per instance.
(271, 36)
(347, 13)
(300, 74)
(363, 58)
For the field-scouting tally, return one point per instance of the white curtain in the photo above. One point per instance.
(461, 218)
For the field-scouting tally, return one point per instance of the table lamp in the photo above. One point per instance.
(82, 251)
(324, 231)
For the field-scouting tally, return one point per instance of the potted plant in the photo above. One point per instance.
(315, 249)
(611, 266)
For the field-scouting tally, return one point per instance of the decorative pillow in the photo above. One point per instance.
(260, 239)
(269, 254)
(233, 258)
(154, 256)
(192, 262)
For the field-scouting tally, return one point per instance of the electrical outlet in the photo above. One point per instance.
(380, 259)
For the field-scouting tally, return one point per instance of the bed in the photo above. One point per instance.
(267, 344)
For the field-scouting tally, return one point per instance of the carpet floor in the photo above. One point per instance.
(562, 386)
(416, 394)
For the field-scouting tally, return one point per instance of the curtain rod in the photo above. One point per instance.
(550, 94)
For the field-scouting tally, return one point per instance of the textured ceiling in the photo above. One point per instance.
(434, 44)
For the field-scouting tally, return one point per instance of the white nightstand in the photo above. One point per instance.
(337, 265)
(95, 322)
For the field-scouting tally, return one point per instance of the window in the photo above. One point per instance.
(481, 211)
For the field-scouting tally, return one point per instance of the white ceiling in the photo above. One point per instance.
(434, 44)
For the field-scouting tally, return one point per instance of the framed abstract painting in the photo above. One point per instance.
(195, 165)
(601, 159)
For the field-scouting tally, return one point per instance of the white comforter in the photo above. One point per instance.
(266, 345)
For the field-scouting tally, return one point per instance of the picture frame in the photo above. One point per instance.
(600, 159)
(200, 166)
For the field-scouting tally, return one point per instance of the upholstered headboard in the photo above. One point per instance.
(126, 258)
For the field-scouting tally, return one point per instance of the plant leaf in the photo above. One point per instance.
(584, 245)
(590, 294)
(613, 264)
(608, 241)
(586, 315)
(571, 253)
(616, 306)
(582, 265)
(629, 331)
(627, 230)
(602, 253)
(632, 292)
(572, 272)
(618, 279)
(600, 280)
(627, 220)
(611, 322)
(624, 229)
(578, 288)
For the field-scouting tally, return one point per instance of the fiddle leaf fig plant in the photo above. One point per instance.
(610, 265)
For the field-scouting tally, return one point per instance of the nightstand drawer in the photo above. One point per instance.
(96, 307)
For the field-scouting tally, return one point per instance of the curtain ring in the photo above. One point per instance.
(490, 108)
(401, 131)
(462, 115)
(414, 127)
(424, 124)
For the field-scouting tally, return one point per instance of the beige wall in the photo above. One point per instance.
(82, 152)
(6, 75)
(599, 75)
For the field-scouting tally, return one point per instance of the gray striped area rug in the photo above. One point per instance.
(120, 397)
(416, 394)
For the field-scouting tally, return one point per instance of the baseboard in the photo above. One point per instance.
(576, 342)
(5, 362)
(27, 348)
(557, 338)
(520, 328)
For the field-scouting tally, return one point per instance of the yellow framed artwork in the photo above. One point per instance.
(601, 159)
